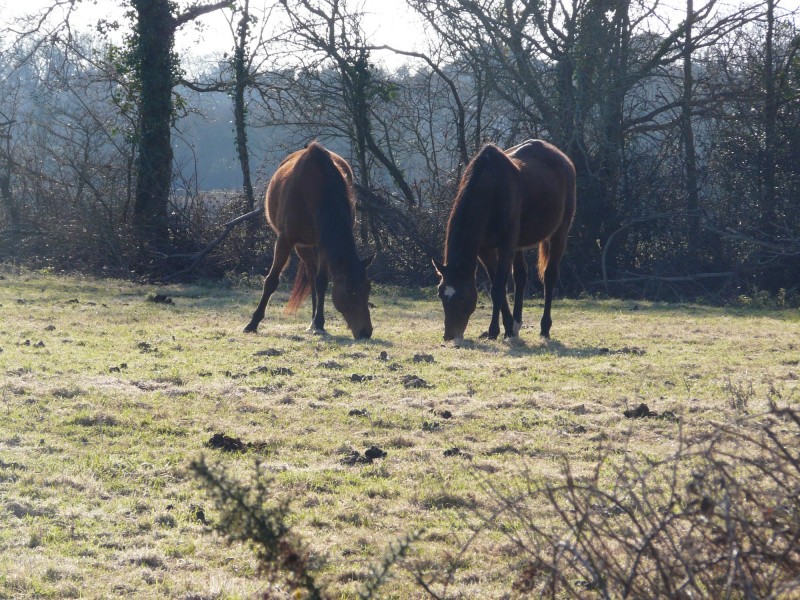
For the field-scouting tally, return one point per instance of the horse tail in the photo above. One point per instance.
(559, 238)
(544, 257)
(300, 289)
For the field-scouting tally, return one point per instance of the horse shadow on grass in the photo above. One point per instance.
(345, 340)
(518, 347)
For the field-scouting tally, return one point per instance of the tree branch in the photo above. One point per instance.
(229, 226)
(198, 10)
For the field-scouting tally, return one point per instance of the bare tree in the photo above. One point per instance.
(327, 28)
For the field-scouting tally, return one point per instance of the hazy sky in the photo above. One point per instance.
(385, 22)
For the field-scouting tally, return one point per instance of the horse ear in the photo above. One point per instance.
(368, 261)
(440, 268)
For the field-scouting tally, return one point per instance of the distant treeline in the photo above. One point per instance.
(684, 129)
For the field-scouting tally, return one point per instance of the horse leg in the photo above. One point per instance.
(282, 250)
(308, 255)
(520, 281)
(497, 269)
(320, 286)
(553, 251)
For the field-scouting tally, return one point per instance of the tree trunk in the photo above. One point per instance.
(155, 67)
(155, 34)
(692, 201)
(7, 202)
(242, 80)
(768, 209)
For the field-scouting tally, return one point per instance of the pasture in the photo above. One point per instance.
(107, 396)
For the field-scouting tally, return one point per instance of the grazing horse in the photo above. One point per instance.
(506, 201)
(310, 206)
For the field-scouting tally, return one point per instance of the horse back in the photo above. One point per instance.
(547, 191)
(302, 181)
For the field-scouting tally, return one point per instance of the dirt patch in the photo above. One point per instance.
(268, 352)
(423, 358)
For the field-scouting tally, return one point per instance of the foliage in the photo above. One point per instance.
(718, 518)
(247, 516)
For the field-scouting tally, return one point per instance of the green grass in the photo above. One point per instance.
(106, 398)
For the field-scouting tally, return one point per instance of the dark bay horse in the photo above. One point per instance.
(507, 201)
(310, 206)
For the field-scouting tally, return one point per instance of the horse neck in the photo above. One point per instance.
(336, 237)
(465, 231)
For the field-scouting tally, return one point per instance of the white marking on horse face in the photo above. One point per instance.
(449, 292)
(517, 327)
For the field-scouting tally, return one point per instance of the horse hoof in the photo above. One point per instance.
(486, 335)
(250, 329)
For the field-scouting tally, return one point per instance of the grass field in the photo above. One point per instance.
(107, 397)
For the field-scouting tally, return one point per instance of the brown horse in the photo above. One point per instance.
(506, 201)
(310, 206)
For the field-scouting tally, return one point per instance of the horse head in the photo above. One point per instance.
(459, 298)
(350, 294)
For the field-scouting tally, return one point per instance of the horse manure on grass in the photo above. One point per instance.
(643, 411)
(414, 382)
(226, 443)
(356, 378)
(159, 299)
(374, 452)
(354, 457)
(639, 412)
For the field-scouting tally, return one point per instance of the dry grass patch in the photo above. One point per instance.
(101, 423)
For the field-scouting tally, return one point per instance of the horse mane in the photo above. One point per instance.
(465, 215)
(335, 213)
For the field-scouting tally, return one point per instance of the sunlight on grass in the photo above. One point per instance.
(107, 397)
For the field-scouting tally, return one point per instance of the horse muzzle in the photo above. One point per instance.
(364, 334)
